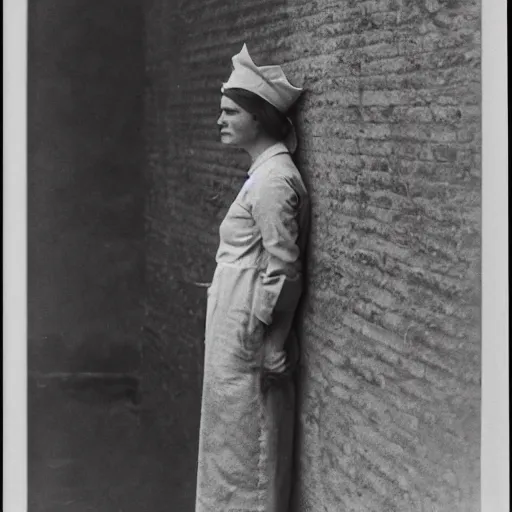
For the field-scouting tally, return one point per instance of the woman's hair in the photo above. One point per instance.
(272, 121)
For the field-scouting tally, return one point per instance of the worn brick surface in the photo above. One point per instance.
(390, 150)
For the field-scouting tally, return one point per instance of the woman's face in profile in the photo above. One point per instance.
(237, 127)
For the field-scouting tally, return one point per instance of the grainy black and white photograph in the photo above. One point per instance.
(254, 254)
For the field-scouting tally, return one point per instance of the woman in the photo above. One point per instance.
(247, 413)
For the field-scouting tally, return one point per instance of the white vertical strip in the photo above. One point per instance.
(14, 225)
(495, 435)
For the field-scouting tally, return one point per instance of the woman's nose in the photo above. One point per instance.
(220, 120)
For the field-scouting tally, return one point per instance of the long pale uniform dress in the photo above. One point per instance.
(246, 433)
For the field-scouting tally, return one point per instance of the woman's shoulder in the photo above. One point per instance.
(280, 165)
(280, 170)
(284, 167)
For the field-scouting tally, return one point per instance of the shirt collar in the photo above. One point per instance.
(274, 150)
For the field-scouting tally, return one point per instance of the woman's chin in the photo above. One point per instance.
(227, 139)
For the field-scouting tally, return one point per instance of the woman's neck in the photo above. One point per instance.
(259, 146)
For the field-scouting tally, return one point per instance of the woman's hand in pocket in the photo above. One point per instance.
(275, 361)
(276, 369)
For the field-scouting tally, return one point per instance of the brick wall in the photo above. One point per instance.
(390, 150)
(85, 194)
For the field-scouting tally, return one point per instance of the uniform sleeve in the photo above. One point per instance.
(275, 211)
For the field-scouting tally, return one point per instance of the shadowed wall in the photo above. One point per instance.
(85, 184)
(85, 252)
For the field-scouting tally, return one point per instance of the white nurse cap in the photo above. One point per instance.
(268, 82)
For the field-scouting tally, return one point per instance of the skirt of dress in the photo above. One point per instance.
(246, 435)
